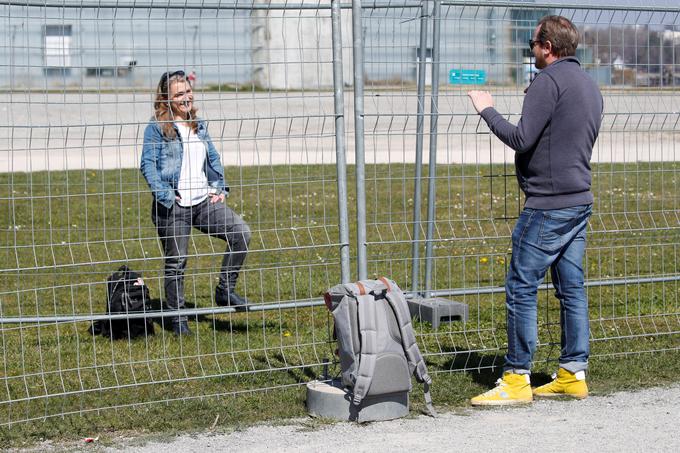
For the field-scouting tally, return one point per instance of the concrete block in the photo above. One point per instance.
(437, 310)
(331, 400)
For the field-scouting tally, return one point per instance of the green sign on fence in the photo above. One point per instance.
(467, 77)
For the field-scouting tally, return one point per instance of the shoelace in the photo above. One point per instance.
(499, 384)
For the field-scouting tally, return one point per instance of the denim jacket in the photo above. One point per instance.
(162, 163)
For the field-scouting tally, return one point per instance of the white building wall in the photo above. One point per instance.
(294, 49)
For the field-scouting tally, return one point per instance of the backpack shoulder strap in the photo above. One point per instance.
(408, 339)
(338, 300)
(369, 335)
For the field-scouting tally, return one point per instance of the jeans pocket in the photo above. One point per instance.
(160, 213)
(553, 232)
(523, 224)
(560, 226)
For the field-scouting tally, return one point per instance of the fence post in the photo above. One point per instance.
(340, 148)
(358, 45)
(415, 253)
(432, 163)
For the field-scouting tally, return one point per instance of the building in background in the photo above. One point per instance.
(109, 48)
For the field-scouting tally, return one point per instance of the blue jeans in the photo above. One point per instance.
(543, 239)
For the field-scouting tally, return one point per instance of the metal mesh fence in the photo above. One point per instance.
(75, 206)
(77, 89)
(460, 246)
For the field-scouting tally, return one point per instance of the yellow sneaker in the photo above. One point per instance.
(565, 383)
(512, 389)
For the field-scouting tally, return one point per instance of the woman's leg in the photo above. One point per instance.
(218, 220)
(174, 229)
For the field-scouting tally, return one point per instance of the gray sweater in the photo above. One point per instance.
(554, 138)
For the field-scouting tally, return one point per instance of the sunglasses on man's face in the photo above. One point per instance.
(532, 43)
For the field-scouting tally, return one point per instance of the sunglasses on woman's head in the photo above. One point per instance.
(169, 75)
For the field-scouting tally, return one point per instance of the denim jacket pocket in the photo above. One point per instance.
(170, 160)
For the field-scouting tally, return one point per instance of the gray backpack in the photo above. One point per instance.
(376, 343)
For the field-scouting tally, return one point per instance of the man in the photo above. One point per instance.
(553, 142)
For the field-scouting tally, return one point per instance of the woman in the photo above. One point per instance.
(183, 170)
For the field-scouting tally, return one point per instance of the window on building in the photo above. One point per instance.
(57, 49)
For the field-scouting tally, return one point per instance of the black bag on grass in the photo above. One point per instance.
(125, 293)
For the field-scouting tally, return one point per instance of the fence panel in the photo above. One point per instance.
(632, 257)
(77, 92)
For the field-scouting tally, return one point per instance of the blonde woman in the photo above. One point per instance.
(185, 175)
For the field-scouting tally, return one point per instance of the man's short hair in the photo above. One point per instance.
(561, 33)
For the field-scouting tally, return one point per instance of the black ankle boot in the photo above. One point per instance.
(237, 301)
(229, 298)
(181, 328)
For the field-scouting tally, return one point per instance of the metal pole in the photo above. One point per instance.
(415, 251)
(12, 37)
(194, 49)
(432, 163)
(239, 5)
(340, 149)
(661, 58)
(358, 39)
(269, 6)
(309, 303)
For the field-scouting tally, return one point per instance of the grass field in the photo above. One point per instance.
(63, 233)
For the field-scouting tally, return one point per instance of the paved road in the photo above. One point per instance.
(105, 131)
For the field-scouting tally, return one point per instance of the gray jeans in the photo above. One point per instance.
(174, 228)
